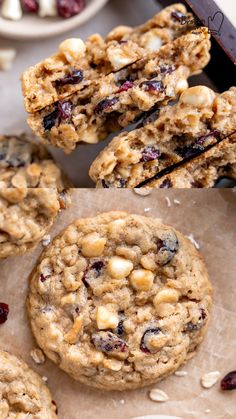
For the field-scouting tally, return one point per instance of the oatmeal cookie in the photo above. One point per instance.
(77, 64)
(23, 393)
(119, 301)
(123, 97)
(200, 119)
(202, 171)
(26, 215)
(23, 164)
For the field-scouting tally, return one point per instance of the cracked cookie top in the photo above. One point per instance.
(22, 392)
(119, 301)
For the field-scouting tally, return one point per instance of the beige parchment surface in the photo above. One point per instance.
(211, 217)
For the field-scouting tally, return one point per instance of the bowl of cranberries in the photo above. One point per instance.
(34, 19)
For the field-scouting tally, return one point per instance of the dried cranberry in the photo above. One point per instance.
(4, 311)
(145, 337)
(122, 183)
(150, 153)
(98, 266)
(105, 184)
(84, 279)
(56, 409)
(126, 86)
(69, 8)
(64, 109)
(105, 104)
(167, 69)
(74, 77)
(49, 121)
(30, 6)
(153, 86)
(229, 381)
(193, 327)
(166, 248)
(43, 278)
(197, 146)
(120, 328)
(166, 184)
(179, 17)
(109, 342)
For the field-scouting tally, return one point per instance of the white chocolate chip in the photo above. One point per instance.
(44, 378)
(106, 319)
(119, 268)
(116, 226)
(7, 57)
(93, 245)
(158, 395)
(11, 9)
(151, 41)
(118, 58)
(198, 96)
(210, 379)
(37, 355)
(182, 85)
(47, 8)
(72, 49)
(166, 295)
(142, 279)
(112, 364)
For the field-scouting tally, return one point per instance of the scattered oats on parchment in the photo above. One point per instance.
(158, 395)
(193, 241)
(210, 379)
(142, 192)
(46, 240)
(181, 373)
(37, 355)
(168, 201)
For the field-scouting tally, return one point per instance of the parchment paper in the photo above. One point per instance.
(209, 215)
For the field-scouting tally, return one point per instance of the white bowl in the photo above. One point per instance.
(33, 27)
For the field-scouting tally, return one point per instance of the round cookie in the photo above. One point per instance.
(24, 164)
(23, 393)
(119, 301)
(32, 191)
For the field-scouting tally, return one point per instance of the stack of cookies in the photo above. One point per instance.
(133, 76)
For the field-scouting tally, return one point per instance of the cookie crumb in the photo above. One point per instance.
(208, 411)
(37, 355)
(168, 201)
(44, 378)
(147, 209)
(142, 192)
(210, 379)
(158, 395)
(122, 401)
(181, 373)
(177, 202)
(46, 240)
(193, 241)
